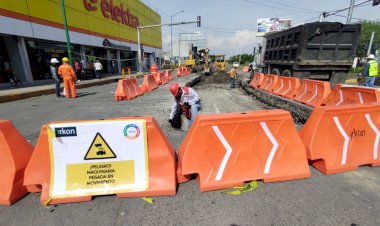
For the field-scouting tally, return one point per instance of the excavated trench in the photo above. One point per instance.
(245, 96)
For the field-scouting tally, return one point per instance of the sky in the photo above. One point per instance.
(230, 25)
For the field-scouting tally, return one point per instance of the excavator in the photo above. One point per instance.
(200, 62)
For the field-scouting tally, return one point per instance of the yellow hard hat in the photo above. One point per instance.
(65, 59)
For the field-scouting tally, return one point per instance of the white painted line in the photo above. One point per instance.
(360, 97)
(216, 109)
(303, 92)
(274, 147)
(346, 140)
(226, 156)
(290, 86)
(340, 98)
(134, 88)
(316, 93)
(282, 85)
(374, 128)
(129, 92)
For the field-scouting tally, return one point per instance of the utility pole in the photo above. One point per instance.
(179, 49)
(370, 43)
(66, 31)
(198, 21)
(326, 14)
(350, 11)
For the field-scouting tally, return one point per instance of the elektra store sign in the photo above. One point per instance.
(116, 13)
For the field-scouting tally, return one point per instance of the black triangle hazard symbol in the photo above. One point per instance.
(99, 149)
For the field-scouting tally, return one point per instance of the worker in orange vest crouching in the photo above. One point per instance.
(66, 72)
(186, 102)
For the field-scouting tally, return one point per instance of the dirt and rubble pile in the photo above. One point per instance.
(219, 77)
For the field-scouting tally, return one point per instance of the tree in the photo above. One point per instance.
(365, 36)
(244, 58)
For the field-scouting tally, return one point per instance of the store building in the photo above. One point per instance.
(32, 32)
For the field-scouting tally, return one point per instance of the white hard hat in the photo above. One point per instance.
(54, 61)
(371, 56)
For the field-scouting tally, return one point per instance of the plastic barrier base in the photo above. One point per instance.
(223, 154)
(15, 153)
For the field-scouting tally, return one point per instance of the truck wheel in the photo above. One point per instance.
(287, 73)
(275, 71)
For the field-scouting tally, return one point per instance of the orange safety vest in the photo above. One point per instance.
(65, 70)
(233, 73)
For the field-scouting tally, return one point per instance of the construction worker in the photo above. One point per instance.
(66, 72)
(188, 100)
(53, 71)
(233, 75)
(370, 70)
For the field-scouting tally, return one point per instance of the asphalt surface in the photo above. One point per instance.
(351, 198)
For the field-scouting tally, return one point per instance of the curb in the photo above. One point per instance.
(45, 91)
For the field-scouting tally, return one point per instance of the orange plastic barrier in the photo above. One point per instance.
(154, 69)
(269, 82)
(341, 138)
(312, 92)
(160, 78)
(182, 71)
(169, 74)
(187, 70)
(179, 72)
(161, 161)
(164, 78)
(127, 89)
(257, 80)
(343, 95)
(225, 150)
(286, 86)
(15, 153)
(245, 69)
(149, 83)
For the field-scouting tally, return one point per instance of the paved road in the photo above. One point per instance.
(345, 199)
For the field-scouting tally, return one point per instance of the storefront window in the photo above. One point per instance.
(128, 59)
(40, 54)
(5, 64)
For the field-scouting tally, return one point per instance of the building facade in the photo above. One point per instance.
(32, 32)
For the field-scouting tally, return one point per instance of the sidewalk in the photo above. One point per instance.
(44, 87)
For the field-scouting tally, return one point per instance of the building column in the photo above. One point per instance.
(82, 53)
(118, 61)
(18, 57)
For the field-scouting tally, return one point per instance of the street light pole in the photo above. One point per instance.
(171, 35)
(156, 25)
(139, 61)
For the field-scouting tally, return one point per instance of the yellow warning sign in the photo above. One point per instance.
(99, 149)
(99, 175)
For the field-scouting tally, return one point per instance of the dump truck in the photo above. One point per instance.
(319, 50)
